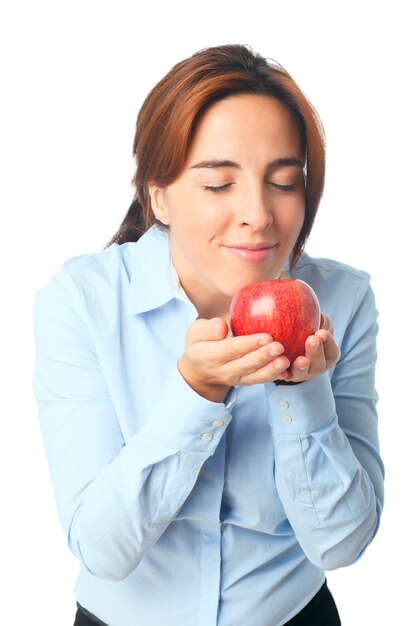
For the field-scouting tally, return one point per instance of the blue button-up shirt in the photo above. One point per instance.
(186, 512)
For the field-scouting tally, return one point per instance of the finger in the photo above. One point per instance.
(207, 330)
(265, 363)
(326, 323)
(232, 349)
(270, 371)
(300, 369)
(331, 349)
(261, 344)
(315, 354)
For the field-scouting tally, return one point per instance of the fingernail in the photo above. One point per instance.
(279, 366)
(273, 352)
(314, 345)
(216, 328)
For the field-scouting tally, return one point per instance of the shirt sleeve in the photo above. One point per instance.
(114, 497)
(328, 469)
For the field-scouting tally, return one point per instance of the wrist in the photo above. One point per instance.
(212, 392)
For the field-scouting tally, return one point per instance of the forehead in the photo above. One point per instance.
(245, 123)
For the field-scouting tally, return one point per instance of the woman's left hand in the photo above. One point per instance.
(321, 354)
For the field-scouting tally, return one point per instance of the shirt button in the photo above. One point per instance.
(287, 419)
(207, 437)
(218, 423)
(284, 404)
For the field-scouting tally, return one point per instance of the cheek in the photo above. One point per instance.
(199, 219)
(300, 221)
(299, 212)
(292, 219)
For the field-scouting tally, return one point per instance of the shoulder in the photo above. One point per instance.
(329, 269)
(102, 283)
(340, 288)
(88, 280)
(104, 266)
(324, 274)
(115, 264)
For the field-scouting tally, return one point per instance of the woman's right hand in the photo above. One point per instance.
(213, 361)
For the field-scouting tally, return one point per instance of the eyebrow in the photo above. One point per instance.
(275, 164)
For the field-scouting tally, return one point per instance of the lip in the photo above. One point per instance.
(254, 252)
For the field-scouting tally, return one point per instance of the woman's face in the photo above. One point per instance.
(237, 208)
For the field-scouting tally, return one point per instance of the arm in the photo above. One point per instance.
(114, 497)
(329, 474)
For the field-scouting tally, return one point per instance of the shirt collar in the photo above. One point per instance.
(153, 281)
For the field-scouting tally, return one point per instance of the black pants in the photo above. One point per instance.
(320, 611)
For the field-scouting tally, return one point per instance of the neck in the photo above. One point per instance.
(209, 310)
(209, 306)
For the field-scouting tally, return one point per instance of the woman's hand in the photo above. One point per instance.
(321, 354)
(213, 362)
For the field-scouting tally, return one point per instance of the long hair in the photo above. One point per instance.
(170, 114)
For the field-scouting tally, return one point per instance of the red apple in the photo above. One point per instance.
(287, 309)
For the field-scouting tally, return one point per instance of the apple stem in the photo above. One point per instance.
(281, 274)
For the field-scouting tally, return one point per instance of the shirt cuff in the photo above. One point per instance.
(301, 409)
(183, 419)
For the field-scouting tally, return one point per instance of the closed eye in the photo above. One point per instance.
(283, 187)
(218, 188)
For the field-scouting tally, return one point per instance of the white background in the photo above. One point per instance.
(73, 77)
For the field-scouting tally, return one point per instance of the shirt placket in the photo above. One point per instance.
(211, 536)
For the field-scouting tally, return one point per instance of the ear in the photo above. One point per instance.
(158, 203)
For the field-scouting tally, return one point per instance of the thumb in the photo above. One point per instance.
(219, 328)
(207, 330)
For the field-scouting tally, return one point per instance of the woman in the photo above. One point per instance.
(202, 478)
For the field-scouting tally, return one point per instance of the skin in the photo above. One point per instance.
(234, 215)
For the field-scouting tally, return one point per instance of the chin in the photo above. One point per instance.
(233, 287)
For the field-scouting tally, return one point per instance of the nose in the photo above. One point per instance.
(254, 211)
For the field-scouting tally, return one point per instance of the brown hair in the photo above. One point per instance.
(171, 111)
